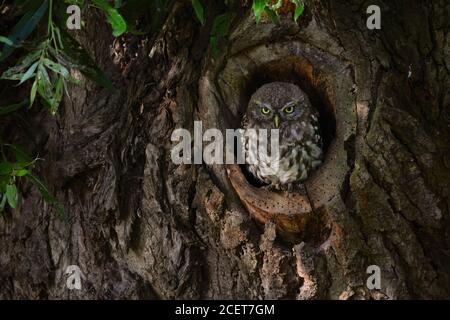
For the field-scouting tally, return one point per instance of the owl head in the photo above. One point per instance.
(277, 104)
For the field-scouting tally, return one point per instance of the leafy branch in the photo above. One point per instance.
(48, 63)
(46, 66)
(221, 23)
(271, 8)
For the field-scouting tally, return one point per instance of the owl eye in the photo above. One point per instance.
(289, 109)
(265, 110)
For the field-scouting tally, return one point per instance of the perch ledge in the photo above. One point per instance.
(290, 211)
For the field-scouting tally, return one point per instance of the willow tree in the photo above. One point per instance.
(140, 226)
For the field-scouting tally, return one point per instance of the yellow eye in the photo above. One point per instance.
(265, 110)
(289, 109)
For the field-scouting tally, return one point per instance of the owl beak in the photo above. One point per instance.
(276, 119)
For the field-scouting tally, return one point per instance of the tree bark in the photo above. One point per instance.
(142, 227)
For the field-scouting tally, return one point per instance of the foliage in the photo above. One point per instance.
(221, 23)
(199, 12)
(17, 164)
(114, 18)
(46, 65)
(299, 8)
(271, 7)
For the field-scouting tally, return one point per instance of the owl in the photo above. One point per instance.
(282, 106)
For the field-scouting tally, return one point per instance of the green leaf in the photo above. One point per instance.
(21, 154)
(21, 172)
(114, 18)
(17, 72)
(214, 46)
(6, 168)
(276, 5)
(258, 8)
(56, 67)
(273, 17)
(27, 60)
(33, 93)
(3, 202)
(23, 29)
(11, 195)
(30, 72)
(58, 36)
(42, 87)
(12, 74)
(19, 165)
(199, 12)
(59, 90)
(12, 108)
(43, 75)
(300, 7)
(49, 91)
(44, 90)
(6, 40)
(117, 22)
(4, 181)
(221, 25)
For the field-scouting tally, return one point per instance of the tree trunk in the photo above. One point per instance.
(142, 227)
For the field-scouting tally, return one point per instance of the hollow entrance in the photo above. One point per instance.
(295, 71)
(327, 80)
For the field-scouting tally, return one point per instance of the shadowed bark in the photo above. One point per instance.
(142, 227)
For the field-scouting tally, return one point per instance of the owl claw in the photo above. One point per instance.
(300, 188)
(272, 188)
(292, 188)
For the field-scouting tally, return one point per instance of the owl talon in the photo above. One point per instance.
(301, 189)
(290, 188)
(270, 188)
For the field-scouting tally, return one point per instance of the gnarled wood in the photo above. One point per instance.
(143, 227)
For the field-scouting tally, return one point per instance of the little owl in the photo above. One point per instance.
(283, 106)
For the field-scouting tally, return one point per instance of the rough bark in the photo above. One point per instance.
(142, 227)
